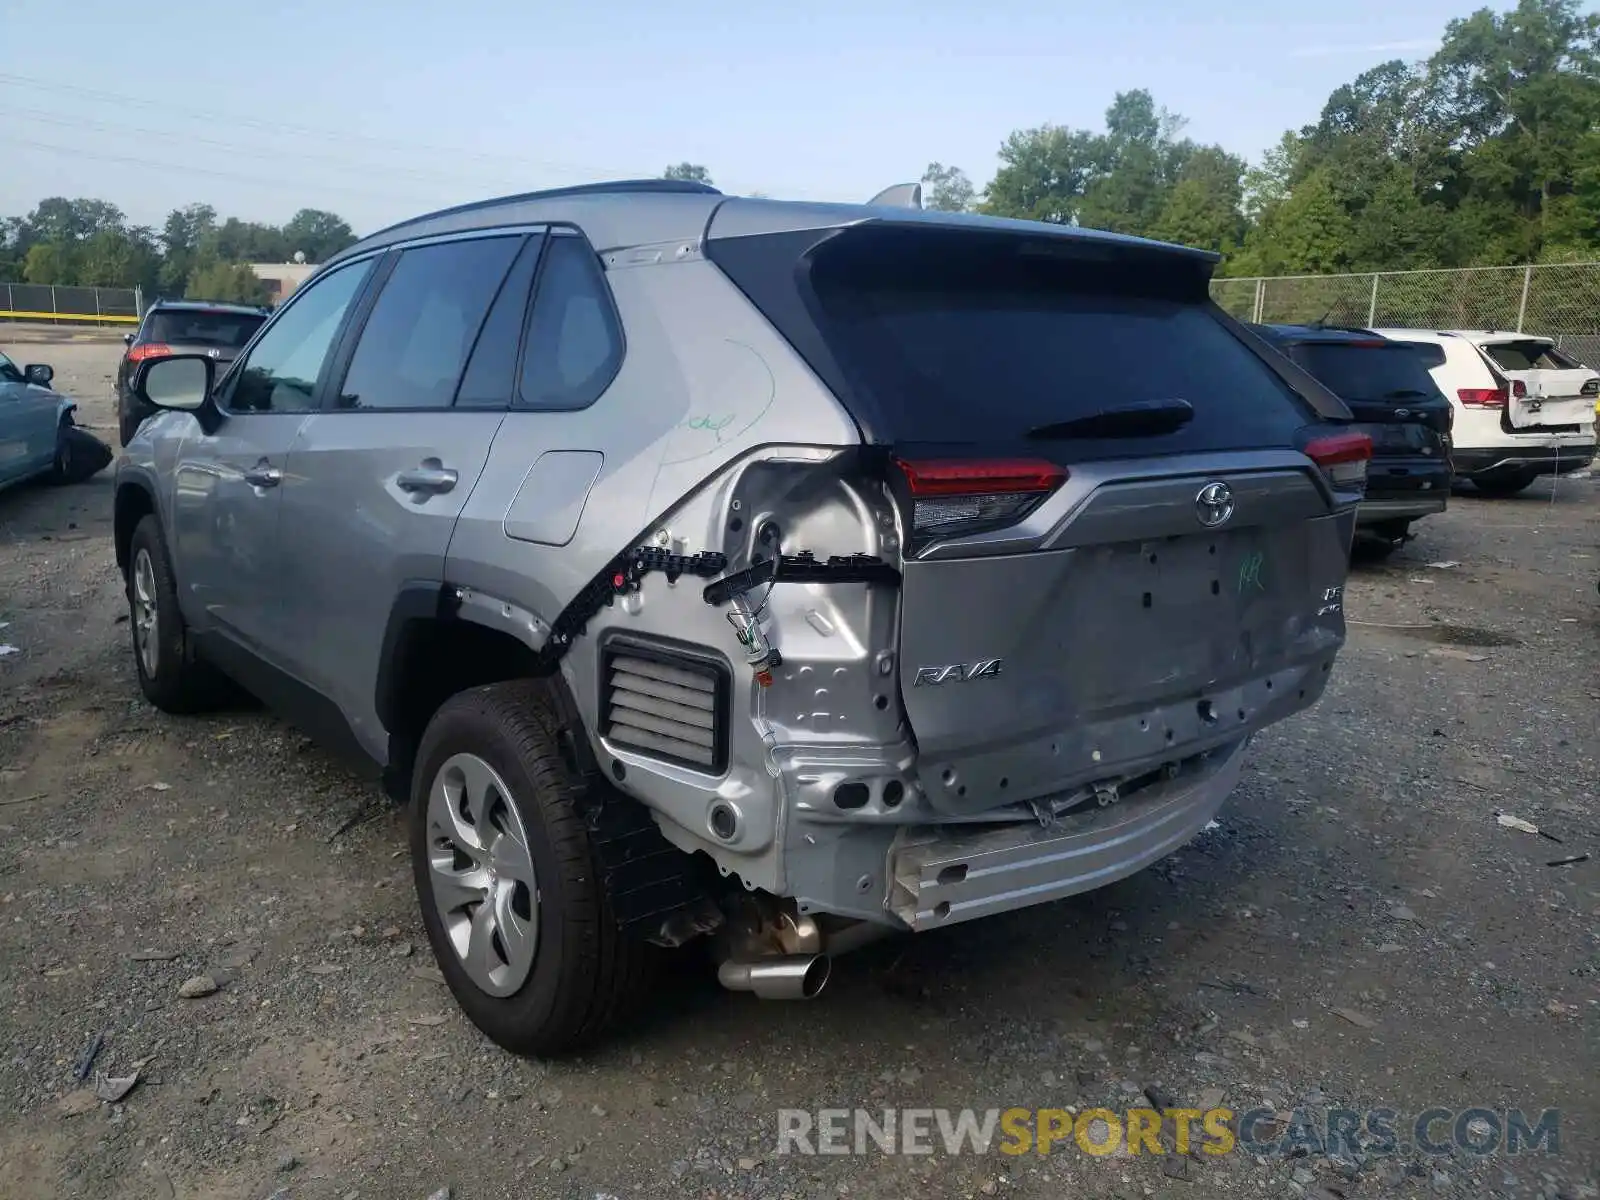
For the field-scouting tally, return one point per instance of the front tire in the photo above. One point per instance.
(511, 893)
(61, 468)
(170, 675)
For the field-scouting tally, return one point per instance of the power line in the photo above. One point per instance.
(283, 156)
(580, 170)
(186, 168)
(50, 85)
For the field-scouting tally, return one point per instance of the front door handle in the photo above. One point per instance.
(263, 475)
(429, 479)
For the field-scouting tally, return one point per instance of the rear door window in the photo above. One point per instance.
(490, 380)
(1360, 372)
(214, 329)
(416, 340)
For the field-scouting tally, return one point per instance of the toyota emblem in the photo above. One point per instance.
(1214, 504)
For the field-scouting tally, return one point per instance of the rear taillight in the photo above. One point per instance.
(1343, 458)
(147, 350)
(1519, 390)
(1481, 397)
(953, 497)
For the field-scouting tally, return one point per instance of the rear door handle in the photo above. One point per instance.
(429, 479)
(263, 475)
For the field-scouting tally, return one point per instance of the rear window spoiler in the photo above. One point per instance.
(1325, 403)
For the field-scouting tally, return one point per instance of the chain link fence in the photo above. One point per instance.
(1556, 300)
(59, 305)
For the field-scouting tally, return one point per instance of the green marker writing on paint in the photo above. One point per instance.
(1250, 572)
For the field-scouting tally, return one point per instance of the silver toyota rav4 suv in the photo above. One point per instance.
(765, 573)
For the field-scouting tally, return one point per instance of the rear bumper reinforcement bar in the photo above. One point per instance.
(941, 875)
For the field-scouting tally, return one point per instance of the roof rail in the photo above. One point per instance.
(615, 187)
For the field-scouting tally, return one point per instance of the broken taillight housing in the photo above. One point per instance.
(1343, 459)
(952, 497)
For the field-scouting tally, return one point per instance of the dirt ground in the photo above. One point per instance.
(1359, 932)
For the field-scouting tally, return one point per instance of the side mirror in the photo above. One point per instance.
(38, 374)
(182, 382)
(127, 339)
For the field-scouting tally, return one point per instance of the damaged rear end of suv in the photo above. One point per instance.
(831, 572)
(1113, 537)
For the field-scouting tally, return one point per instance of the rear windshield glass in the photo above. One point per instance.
(200, 327)
(1529, 356)
(960, 338)
(1368, 372)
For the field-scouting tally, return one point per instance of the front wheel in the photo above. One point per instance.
(508, 882)
(170, 675)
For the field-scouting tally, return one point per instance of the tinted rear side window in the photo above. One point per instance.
(956, 338)
(574, 343)
(198, 327)
(1354, 372)
(1529, 356)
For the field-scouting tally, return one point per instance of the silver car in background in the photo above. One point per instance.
(33, 424)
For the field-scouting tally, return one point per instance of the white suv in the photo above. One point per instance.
(1523, 408)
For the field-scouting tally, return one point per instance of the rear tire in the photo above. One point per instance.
(1505, 485)
(510, 889)
(1373, 549)
(171, 676)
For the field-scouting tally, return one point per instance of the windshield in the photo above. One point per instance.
(202, 327)
(1365, 372)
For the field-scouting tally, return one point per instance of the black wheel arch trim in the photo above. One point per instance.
(425, 601)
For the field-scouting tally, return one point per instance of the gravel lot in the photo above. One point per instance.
(1359, 932)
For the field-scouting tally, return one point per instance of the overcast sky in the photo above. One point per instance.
(378, 111)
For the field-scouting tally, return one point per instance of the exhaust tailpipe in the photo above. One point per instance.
(795, 977)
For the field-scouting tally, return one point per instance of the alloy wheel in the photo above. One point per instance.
(484, 887)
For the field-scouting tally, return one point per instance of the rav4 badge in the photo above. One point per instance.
(984, 668)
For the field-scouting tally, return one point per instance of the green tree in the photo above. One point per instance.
(181, 237)
(1267, 184)
(690, 172)
(67, 222)
(947, 189)
(13, 247)
(49, 262)
(245, 241)
(317, 234)
(229, 281)
(122, 258)
(1308, 233)
(1044, 173)
(1523, 89)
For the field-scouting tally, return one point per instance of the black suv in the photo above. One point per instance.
(1390, 391)
(217, 330)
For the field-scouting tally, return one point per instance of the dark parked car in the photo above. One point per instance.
(1388, 388)
(217, 330)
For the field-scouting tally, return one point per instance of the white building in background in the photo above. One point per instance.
(282, 278)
